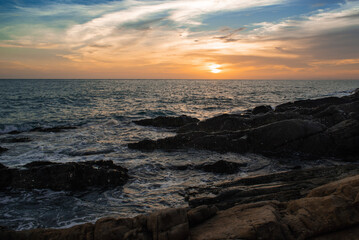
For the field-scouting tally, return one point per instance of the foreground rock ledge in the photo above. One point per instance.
(63, 176)
(330, 211)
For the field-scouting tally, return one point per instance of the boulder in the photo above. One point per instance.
(64, 176)
(167, 122)
(262, 109)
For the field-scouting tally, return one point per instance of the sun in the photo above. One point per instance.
(214, 68)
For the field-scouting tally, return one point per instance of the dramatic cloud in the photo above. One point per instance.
(185, 39)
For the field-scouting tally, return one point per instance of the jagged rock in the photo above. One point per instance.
(221, 166)
(328, 212)
(281, 186)
(310, 129)
(262, 109)
(167, 122)
(323, 212)
(64, 176)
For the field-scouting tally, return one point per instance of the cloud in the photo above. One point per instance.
(170, 36)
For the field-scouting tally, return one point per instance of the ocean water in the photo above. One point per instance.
(101, 112)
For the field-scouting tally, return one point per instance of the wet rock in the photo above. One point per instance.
(328, 212)
(310, 104)
(5, 176)
(167, 122)
(262, 109)
(65, 176)
(15, 140)
(53, 129)
(221, 167)
(308, 129)
(282, 186)
(3, 150)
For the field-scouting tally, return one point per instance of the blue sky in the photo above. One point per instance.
(179, 39)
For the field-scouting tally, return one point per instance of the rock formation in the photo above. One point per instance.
(327, 127)
(167, 122)
(330, 211)
(63, 176)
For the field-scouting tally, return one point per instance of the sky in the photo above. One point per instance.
(180, 39)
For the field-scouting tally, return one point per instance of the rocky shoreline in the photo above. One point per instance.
(316, 211)
(70, 176)
(318, 203)
(327, 127)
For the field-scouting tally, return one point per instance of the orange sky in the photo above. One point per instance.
(259, 39)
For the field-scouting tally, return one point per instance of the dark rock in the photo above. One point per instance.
(53, 129)
(5, 177)
(167, 122)
(15, 140)
(326, 212)
(281, 186)
(200, 214)
(65, 176)
(308, 129)
(291, 106)
(262, 109)
(221, 166)
(3, 150)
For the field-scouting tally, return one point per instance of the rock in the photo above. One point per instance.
(221, 166)
(200, 214)
(269, 138)
(5, 177)
(64, 176)
(169, 224)
(310, 104)
(262, 109)
(324, 214)
(15, 140)
(3, 150)
(251, 221)
(281, 186)
(52, 129)
(328, 212)
(309, 129)
(167, 122)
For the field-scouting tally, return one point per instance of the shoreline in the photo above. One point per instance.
(325, 210)
(326, 127)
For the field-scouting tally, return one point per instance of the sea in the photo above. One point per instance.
(99, 115)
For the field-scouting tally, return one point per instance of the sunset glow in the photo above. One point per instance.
(215, 68)
(259, 39)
